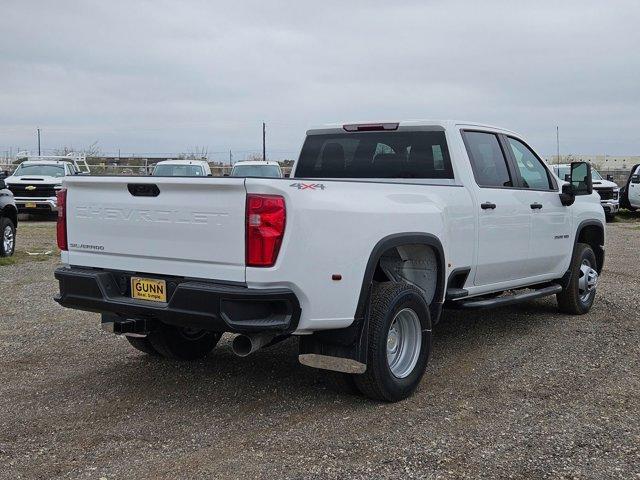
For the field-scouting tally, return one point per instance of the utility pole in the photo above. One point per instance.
(264, 151)
(38, 142)
(230, 158)
(558, 142)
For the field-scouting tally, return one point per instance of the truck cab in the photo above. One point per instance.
(35, 181)
(633, 188)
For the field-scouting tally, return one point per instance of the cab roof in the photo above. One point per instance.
(444, 124)
(46, 162)
(256, 162)
(181, 162)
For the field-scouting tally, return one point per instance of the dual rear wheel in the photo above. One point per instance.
(399, 344)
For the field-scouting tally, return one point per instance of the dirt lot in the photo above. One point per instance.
(520, 392)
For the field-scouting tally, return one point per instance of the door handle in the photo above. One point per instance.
(487, 206)
(536, 206)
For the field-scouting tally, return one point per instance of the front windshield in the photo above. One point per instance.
(595, 175)
(272, 171)
(178, 171)
(41, 170)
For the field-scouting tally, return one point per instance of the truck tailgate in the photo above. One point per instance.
(194, 227)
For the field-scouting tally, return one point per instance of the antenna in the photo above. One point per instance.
(558, 142)
(264, 151)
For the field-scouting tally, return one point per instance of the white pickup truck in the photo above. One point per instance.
(380, 226)
(36, 180)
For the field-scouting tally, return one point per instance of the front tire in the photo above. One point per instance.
(399, 342)
(183, 343)
(7, 237)
(577, 298)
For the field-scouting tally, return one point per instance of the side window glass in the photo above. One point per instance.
(487, 160)
(533, 173)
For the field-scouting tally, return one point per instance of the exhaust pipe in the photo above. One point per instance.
(244, 345)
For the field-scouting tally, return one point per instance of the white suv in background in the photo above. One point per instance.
(609, 191)
(182, 168)
(257, 168)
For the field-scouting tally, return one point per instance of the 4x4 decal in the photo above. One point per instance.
(308, 186)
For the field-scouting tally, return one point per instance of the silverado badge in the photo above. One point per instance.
(30, 187)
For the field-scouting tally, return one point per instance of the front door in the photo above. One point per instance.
(550, 238)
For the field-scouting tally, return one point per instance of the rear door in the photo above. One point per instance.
(550, 239)
(504, 217)
(191, 227)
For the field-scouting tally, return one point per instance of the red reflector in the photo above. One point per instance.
(265, 221)
(61, 226)
(370, 127)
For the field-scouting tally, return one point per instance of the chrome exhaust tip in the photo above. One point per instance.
(244, 345)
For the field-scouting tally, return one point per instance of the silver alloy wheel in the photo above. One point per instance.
(404, 341)
(588, 280)
(8, 239)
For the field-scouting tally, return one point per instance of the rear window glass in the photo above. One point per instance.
(375, 155)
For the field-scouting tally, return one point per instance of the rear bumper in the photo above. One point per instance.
(190, 303)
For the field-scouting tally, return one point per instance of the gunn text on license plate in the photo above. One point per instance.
(148, 289)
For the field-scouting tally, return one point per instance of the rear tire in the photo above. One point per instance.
(399, 342)
(181, 343)
(7, 237)
(143, 344)
(579, 295)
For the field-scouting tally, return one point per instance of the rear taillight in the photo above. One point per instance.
(61, 227)
(266, 218)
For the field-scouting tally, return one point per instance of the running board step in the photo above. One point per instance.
(510, 299)
(455, 293)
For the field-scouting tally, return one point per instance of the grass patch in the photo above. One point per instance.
(23, 257)
(4, 261)
(626, 216)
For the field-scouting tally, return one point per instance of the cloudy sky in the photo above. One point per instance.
(166, 76)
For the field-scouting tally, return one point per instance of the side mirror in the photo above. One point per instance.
(610, 177)
(567, 178)
(287, 175)
(3, 185)
(581, 182)
(567, 197)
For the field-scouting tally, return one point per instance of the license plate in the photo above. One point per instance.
(148, 289)
(30, 205)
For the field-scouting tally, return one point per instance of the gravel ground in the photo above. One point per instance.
(519, 392)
